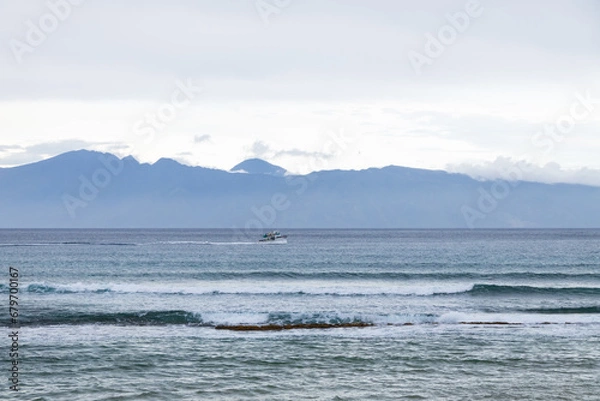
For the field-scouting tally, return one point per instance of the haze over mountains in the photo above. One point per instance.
(91, 189)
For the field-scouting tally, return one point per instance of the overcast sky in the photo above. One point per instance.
(306, 84)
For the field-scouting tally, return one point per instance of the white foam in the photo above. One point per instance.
(267, 287)
(518, 318)
(217, 318)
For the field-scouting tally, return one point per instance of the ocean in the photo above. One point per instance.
(361, 315)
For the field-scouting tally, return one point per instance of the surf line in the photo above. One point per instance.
(13, 310)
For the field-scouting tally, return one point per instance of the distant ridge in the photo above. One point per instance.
(258, 166)
(99, 190)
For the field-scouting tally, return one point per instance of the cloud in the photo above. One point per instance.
(486, 95)
(8, 148)
(509, 169)
(262, 150)
(350, 48)
(18, 155)
(202, 138)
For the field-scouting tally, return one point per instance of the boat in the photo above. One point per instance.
(273, 237)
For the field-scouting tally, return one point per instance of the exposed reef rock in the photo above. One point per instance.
(277, 327)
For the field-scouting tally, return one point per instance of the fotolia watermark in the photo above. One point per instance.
(90, 187)
(435, 45)
(38, 31)
(269, 8)
(158, 120)
(545, 140)
(265, 215)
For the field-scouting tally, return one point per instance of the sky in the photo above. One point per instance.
(479, 87)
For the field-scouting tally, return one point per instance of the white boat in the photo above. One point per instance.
(273, 237)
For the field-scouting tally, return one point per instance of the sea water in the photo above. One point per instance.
(454, 314)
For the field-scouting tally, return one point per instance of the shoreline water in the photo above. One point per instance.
(159, 314)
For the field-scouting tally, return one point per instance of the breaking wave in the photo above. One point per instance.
(290, 320)
(339, 288)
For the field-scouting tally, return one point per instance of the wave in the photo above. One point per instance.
(66, 289)
(182, 317)
(146, 318)
(304, 288)
(498, 290)
(290, 288)
(284, 320)
(389, 275)
(475, 318)
(565, 310)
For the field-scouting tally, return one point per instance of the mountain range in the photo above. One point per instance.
(84, 188)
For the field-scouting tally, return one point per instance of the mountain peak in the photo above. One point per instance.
(165, 161)
(258, 166)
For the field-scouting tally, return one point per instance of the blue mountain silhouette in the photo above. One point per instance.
(258, 166)
(92, 189)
